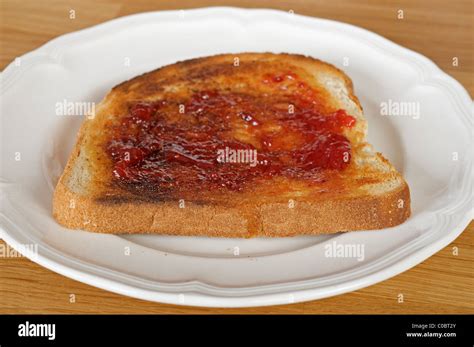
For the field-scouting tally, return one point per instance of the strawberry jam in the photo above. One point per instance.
(227, 139)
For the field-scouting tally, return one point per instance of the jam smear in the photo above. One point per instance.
(174, 145)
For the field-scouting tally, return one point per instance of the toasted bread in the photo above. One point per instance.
(152, 158)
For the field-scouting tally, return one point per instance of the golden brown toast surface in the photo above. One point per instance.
(244, 131)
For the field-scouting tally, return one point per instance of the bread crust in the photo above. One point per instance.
(334, 214)
(270, 220)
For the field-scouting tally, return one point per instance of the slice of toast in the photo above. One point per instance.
(243, 145)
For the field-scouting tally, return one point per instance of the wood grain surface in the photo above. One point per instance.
(440, 30)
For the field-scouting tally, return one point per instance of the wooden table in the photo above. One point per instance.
(438, 29)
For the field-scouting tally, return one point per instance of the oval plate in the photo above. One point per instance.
(431, 147)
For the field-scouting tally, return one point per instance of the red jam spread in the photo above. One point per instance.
(174, 144)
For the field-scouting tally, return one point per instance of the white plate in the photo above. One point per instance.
(83, 66)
